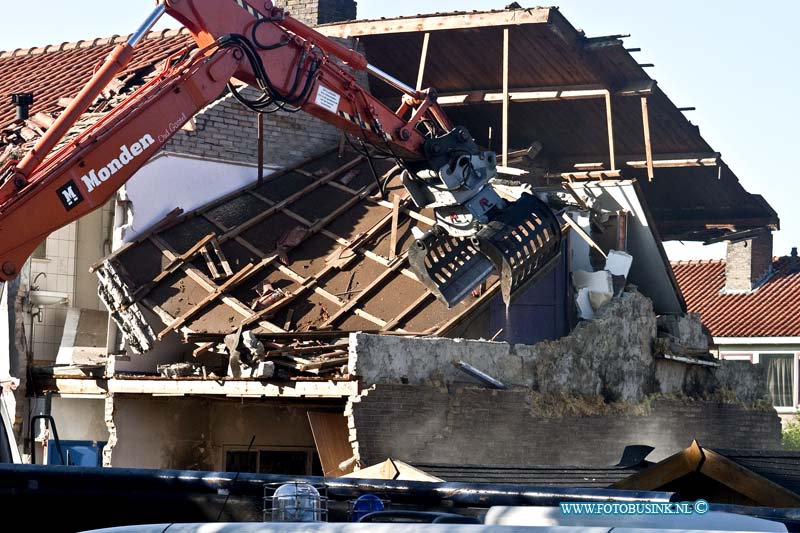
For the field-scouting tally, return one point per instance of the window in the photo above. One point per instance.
(737, 357)
(41, 251)
(780, 378)
(296, 462)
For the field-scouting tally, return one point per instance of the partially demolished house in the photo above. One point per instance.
(276, 327)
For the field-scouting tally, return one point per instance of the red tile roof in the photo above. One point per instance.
(59, 71)
(771, 310)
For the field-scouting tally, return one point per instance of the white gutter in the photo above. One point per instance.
(756, 340)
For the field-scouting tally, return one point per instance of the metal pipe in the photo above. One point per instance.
(391, 80)
(148, 23)
(477, 374)
(194, 483)
(23, 102)
(52, 422)
(260, 136)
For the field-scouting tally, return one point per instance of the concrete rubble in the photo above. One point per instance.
(605, 375)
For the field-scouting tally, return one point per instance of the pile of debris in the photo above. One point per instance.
(247, 355)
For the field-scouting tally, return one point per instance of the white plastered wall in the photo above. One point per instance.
(170, 181)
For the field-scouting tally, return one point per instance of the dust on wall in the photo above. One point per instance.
(603, 383)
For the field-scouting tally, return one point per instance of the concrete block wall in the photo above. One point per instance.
(472, 425)
(577, 400)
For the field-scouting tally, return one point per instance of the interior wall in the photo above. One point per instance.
(93, 242)
(79, 418)
(56, 272)
(171, 181)
(194, 433)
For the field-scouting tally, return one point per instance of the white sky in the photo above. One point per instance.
(735, 61)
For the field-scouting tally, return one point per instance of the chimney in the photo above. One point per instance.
(748, 263)
(23, 101)
(314, 12)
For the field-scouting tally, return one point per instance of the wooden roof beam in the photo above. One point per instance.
(429, 23)
(701, 159)
(544, 94)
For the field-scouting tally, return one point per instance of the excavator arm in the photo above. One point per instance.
(292, 67)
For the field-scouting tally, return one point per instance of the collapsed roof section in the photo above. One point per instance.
(313, 251)
(587, 105)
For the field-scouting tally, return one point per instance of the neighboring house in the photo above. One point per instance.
(750, 303)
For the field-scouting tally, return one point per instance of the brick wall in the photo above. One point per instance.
(227, 131)
(471, 425)
(748, 262)
(315, 12)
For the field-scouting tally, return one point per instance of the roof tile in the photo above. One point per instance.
(61, 70)
(769, 311)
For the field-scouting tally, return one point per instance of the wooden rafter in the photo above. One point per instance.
(431, 23)
(171, 267)
(506, 39)
(405, 313)
(423, 58)
(610, 132)
(367, 291)
(244, 226)
(646, 131)
(198, 276)
(541, 94)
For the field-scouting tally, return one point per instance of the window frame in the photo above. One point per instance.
(309, 450)
(754, 356)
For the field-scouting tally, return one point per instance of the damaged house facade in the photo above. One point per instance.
(268, 321)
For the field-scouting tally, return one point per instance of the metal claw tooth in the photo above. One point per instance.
(508, 248)
(457, 269)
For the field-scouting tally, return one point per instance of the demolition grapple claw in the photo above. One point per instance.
(521, 242)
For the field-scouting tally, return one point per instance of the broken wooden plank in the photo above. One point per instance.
(306, 349)
(582, 234)
(647, 148)
(240, 276)
(216, 260)
(212, 268)
(287, 325)
(328, 363)
(395, 218)
(171, 267)
(332, 439)
(578, 199)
